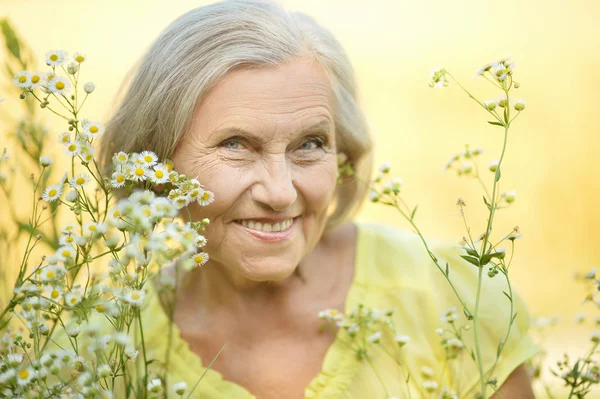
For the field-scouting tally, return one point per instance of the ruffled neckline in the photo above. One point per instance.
(340, 363)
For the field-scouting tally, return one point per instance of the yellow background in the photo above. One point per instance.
(552, 152)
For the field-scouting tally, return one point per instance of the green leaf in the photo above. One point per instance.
(500, 347)
(506, 114)
(498, 174)
(495, 123)
(487, 203)
(412, 215)
(485, 259)
(514, 317)
(12, 42)
(472, 252)
(508, 296)
(447, 270)
(471, 259)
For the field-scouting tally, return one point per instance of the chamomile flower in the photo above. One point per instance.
(430, 386)
(510, 196)
(402, 340)
(52, 193)
(66, 253)
(54, 293)
(180, 201)
(73, 298)
(68, 228)
(131, 353)
(56, 57)
(331, 315)
(162, 207)
(95, 228)
(159, 175)
(483, 70)
(491, 104)
(138, 173)
(205, 198)
(450, 315)
(121, 158)
(72, 196)
(134, 298)
(89, 87)
(92, 129)
(375, 338)
(520, 104)
(147, 158)
(22, 80)
(24, 376)
(58, 85)
(200, 259)
(64, 138)
(118, 179)
(79, 180)
(79, 57)
(427, 372)
(72, 148)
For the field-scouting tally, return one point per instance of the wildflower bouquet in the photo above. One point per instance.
(93, 272)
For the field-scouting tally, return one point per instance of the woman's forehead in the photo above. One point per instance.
(288, 93)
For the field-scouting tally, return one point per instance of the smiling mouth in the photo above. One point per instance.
(266, 227)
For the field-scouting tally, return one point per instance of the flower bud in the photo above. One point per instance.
(71, 196)
(520, 104)
(45, 161)
(492, 166)
(89, 87)
(510, 196)
(517, 85)
(490, 104)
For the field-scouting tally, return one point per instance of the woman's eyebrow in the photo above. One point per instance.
(323, 126)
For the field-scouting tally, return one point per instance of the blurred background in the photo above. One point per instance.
(552, 149)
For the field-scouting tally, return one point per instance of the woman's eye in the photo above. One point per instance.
(232, 144)
(312, 144)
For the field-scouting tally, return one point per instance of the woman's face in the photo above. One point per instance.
(263, 141)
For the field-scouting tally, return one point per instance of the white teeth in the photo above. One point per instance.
(267, 227)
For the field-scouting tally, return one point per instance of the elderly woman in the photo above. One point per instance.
(256, 103)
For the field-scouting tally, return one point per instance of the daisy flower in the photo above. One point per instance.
(22, 80)
(72, 148)
(64, 138)
(58, 85)
(147, 158)
(72, 196)
(155, 385)
(52, 193)
(24, 376)
(402, 340)
(53, 293)
(205, 198)
(79, 57)
(330, 314)
(89, 87)
(118, 179)
(180, 201)
(79, 181)
(510, 196)
(138, 173)
(95, 228)
(92, 129)
(375, 338)
(520, 104)
(120, 158)
(483, 70)
(200, 259)
(72, 298)
(134, 298)
(56, 57)
(427, 372)
(68, 228)
(430, 386)
(159, 175)
(86, 153)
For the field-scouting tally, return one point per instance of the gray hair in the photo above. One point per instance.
(196, 50)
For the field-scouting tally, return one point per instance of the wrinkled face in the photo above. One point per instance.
(263, 141)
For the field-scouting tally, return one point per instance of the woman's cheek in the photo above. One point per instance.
(317, 184)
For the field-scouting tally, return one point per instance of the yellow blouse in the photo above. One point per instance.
(392, 269)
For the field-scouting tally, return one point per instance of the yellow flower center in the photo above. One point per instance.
(66, 253)
(122, 158)
(169, 167)
(73, 300)
(65, 139)
(69, 239)
(94, 129)
(72, 147)
(120, 179)
(80, 58)
(80, 180)
(100, 308)
(24, 374)
(147, 212)
(117, 214)
(22, 79)
(135, 296)
(88, 156)
(198, 259)
(92, 228)
(35, 79)
(54, 57)
(54, 294)
(139, 172)
(205, 196)
(60, 85)
(52, 193)
(148, 158)
(159, 174)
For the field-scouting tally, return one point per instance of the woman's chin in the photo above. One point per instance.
(260, 273)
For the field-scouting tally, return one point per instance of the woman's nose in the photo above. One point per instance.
(275, 188)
